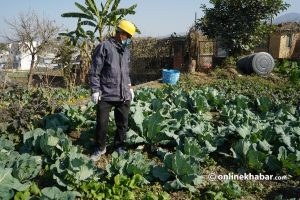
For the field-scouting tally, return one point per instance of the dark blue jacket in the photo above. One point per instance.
(109, 72)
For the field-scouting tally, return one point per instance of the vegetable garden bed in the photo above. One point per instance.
(178, 136)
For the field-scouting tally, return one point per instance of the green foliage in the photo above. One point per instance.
(25, 109)
(70, 166)
(98, 19)
(230, 62)
(21, 114)
(74, 169)
(3, 47)
(227, 190)
(130, 164)
(264, 104)
(7, 154)
(56, 121)
(290, 69)
(239, 25)
(6, 145)
(254, 129)
(198, 101)
(51, 143)
(56, 194)
(152, 196)
(236, 123)
(170, 111)
(9, 183)
(27, 167)
(277, 89)
(185, 170)
(63, 58)
(268, 140)
(22, 195)
(80, 116)
(152, 127)
(33, 190)
(17, 172)
(197, 151)
(122, 187)
(6, 193)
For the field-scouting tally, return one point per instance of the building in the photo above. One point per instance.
(284, 43)
(20, 56)
(46, 60)
(4, 59)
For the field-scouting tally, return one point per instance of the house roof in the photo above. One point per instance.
(291, 27)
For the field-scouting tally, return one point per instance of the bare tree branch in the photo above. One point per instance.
(33, 34)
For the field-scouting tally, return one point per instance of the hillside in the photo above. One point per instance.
(289, 17)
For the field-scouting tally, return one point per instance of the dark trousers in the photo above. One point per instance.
(121, 112)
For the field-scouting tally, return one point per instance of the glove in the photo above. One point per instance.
(96, 97)
(132, 94)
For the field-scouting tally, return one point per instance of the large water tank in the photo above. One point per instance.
(261, 63)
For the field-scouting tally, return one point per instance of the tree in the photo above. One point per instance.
(3, 47)
(33, 34)
(92, 23)
(99, 20)
(239, 25)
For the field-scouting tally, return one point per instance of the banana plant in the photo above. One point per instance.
(85, 41)
(98, 19)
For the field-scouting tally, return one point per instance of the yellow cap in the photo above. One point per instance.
(127, 26)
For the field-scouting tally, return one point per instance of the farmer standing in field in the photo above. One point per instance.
(111, 86)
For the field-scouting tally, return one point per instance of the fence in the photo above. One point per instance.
(151, 55)
(201, 49)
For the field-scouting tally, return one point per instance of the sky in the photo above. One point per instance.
(155, 18)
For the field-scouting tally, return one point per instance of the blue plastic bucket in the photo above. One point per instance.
(170, 76)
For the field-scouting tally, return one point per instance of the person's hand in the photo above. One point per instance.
(132, 94)
(96, 97)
